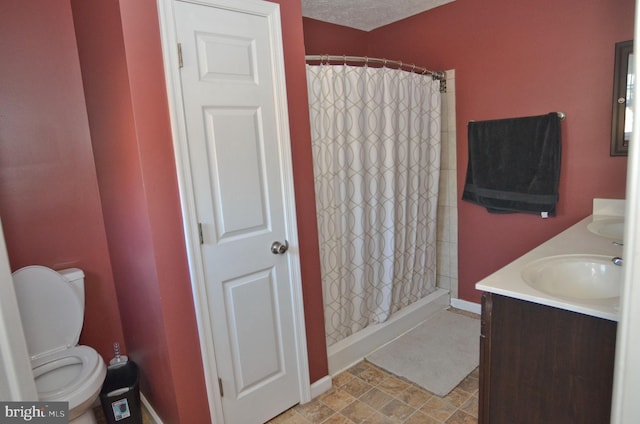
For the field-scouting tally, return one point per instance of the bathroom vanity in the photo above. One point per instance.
(548, 328)
(540, 364)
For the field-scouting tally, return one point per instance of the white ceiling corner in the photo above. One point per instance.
(366, 15)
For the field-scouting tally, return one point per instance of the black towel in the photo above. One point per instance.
(514, 164)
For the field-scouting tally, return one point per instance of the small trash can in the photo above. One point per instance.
(120, 394)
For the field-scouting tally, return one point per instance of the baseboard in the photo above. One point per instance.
(466, 306)
(321, 386)
(152, 413)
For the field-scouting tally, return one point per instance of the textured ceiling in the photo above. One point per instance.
(366, 14)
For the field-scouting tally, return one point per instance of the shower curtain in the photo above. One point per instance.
(376, 149)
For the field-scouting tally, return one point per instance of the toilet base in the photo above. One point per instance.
(87, 418)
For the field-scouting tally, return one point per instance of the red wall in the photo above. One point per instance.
(49, 199)
(157, 164)
(519, 58)
(122, 71)
(60, 208)
(124, 85)
(511, 58)
(300, 132)
(325, 38)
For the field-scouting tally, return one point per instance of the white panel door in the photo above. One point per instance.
(234, 138)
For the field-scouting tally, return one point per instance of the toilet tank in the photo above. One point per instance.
(76, 277)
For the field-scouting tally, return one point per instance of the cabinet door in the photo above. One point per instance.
(544, 365)
(485, 358)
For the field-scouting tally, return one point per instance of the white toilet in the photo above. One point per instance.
(52, 311)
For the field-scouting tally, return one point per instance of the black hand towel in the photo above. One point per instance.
(514, 164)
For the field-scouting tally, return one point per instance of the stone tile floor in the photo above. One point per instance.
(366, 394)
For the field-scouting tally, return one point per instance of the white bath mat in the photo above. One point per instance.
(437, 355)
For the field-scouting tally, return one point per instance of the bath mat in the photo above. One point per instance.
(437, 355)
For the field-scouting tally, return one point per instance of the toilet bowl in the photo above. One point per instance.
(52, 312)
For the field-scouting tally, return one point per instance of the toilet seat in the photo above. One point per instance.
(79, 363)
(69, 375)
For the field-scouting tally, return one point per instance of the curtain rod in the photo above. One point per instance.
(325, 58)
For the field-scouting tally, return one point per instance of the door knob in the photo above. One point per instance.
(278, 248)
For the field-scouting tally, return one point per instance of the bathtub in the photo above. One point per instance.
(353, 349)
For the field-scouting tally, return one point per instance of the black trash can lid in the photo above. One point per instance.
(123, 376)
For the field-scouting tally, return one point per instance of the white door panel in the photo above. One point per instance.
(237, 164)
(252, 305)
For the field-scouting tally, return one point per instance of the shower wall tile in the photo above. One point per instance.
(443, 261)
(452, 156)
(451, 111)
(452, 189)
(448, 151)
(443, 192)
(448, 188)
(453, 258)
(451, 104)
(445, 152)
(444, 282)
(442, 188)
(444, 113)
(447, 227)
(453, 290)
(440, 228)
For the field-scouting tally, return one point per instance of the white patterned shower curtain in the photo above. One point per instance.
(376, 149)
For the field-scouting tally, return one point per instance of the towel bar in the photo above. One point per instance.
(561, 115)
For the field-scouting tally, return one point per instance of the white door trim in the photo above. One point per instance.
(187, 193)
(16, 376)
(626, 381)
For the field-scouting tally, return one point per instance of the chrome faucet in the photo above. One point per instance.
(617, 260)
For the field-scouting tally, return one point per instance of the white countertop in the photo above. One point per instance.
(574, 240)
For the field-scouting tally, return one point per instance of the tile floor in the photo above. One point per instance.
(366, 394)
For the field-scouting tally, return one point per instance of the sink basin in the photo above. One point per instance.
(612, 228)
(584, 277)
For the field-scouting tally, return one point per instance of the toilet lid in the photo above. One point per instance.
(50, 309)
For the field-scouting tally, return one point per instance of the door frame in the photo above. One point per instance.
(271, 11)
(626, 380)
(16, 376)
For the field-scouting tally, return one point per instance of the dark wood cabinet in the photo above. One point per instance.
(543, 365)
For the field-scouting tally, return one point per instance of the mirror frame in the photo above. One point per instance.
(620, 146)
